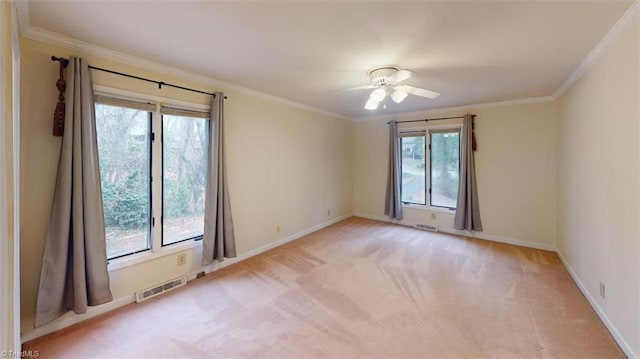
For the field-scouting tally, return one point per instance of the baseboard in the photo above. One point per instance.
(478, 235)
(71, 318)
(594, 304)
(254, 252)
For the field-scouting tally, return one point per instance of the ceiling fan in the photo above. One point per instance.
(384, 81)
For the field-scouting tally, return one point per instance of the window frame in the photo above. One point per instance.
(157, 250)
(428, 129)
(414, 133)
(149, 146)
(194, 238)
(436, 131)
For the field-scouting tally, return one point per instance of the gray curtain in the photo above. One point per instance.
(74, 265)
(219, 240)
(467, 210)
(392, 202)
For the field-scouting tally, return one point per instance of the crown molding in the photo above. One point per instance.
(621, 27)
(24, 19)
(441, 110)
(75, 45)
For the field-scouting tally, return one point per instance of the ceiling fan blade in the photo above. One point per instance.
(365, 87)
(400, 76)
(418, 91)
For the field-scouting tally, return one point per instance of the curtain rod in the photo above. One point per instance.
(433, 119)
(65, 62)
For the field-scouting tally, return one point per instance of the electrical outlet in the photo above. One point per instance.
(182, 259)
(277, 229)
(433, 215)
(602, 290)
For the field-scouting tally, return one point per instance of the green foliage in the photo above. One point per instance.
(126, 202)
(123, 150)
(177, 196)
(124, 166)
(445, 162)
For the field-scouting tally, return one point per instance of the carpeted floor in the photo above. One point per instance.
(358, 289)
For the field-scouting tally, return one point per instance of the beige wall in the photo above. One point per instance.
(287, 167)
(515, 165)
(550, 174)
(9, 235)
(598, 184)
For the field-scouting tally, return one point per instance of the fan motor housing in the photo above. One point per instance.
(380, 75)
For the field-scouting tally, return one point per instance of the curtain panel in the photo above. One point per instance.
(74, 271)
(468, 209)
(219, 238)
(392, 202)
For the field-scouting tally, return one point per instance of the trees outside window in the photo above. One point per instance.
(184, 163)
(136, 140)
(124, 158)
(434, 176)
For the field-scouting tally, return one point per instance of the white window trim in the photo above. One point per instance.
(427, 128)
(429, 208)
(152, 254)
(136, 96)
(157, 250)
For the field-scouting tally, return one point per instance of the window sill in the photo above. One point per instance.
(131, 260)
(429, 208)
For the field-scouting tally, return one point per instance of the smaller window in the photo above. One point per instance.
(445, 167)
(413, 168)
(125, 171)
(184, 166)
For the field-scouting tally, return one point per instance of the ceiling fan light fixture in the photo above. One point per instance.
(371, 104)
(378, 94)
(398, 96)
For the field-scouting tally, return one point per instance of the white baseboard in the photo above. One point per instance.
(478, 235)
(227, 262)
(594, 304)
(71, 318)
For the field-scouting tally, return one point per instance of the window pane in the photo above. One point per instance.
(445, 168)
(413, 170)
(123, 150)
(184, 177)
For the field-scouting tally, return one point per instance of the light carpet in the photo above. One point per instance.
(358, 289)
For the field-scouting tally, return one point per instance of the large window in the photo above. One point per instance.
(137, 143)
(430, 163)
(184, 158)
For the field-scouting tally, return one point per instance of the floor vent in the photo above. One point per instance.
(427, 227)
(160, 288)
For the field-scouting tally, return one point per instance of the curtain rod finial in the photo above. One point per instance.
(64, 61)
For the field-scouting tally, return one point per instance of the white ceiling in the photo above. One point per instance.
(471, 52)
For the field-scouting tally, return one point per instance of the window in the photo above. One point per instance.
(445, 168)
(143, 214)
(184, 164)
(125, 170)
(439, 185)
(413, 168)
